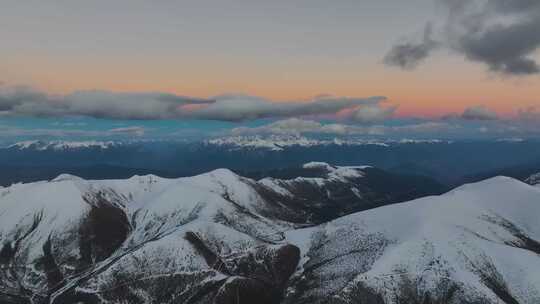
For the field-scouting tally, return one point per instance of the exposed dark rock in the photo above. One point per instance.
(256, 276)
(212, 259)
(104, 230)
(523, 240)
(52, 272)
(492, 279)
(272, 265)
(6, 253)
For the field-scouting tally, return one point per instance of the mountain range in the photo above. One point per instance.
(318, 234)
(30, 161)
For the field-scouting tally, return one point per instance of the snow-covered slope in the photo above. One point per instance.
(476, 244)
(218, 237)
(88, 233)
(86, 229)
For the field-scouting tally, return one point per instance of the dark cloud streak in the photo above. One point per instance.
(410, 54)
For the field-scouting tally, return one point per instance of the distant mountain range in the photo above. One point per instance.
(318, 234)
(450, 163)
(280, 143)
(59, 145)
(272, 142)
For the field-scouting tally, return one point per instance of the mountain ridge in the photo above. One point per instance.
(218, 236)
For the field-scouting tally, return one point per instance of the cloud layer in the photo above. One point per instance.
(502, 34)
(476, 121)
(150, 106)
(295, 126)
(10, 131)
(99, 104)
(479, 113)
(372, 113)
(243, 107)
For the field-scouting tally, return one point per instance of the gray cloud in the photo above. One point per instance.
(410, 54)
(500, 33)
(503, 34)
(133, 131)
(529, 115)
(372, 113)
(111, 105)
(10, 131)
(12, 97)
(98, 104)
(479, 113)
(243, 107)
(464, 125)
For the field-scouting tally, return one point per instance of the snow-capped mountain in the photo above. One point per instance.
(533, 179)
(281, 142)
(85, 231)
(479, 243)
(220, 238)
(272, 142)
(39, 145)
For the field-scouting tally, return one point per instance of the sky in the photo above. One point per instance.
(233, 64)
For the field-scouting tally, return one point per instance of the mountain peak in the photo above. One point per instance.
(319, 165)
(65, 176)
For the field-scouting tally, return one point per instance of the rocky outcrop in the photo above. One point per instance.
(256, 276)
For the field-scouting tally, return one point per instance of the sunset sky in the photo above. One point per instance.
(281, 51)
